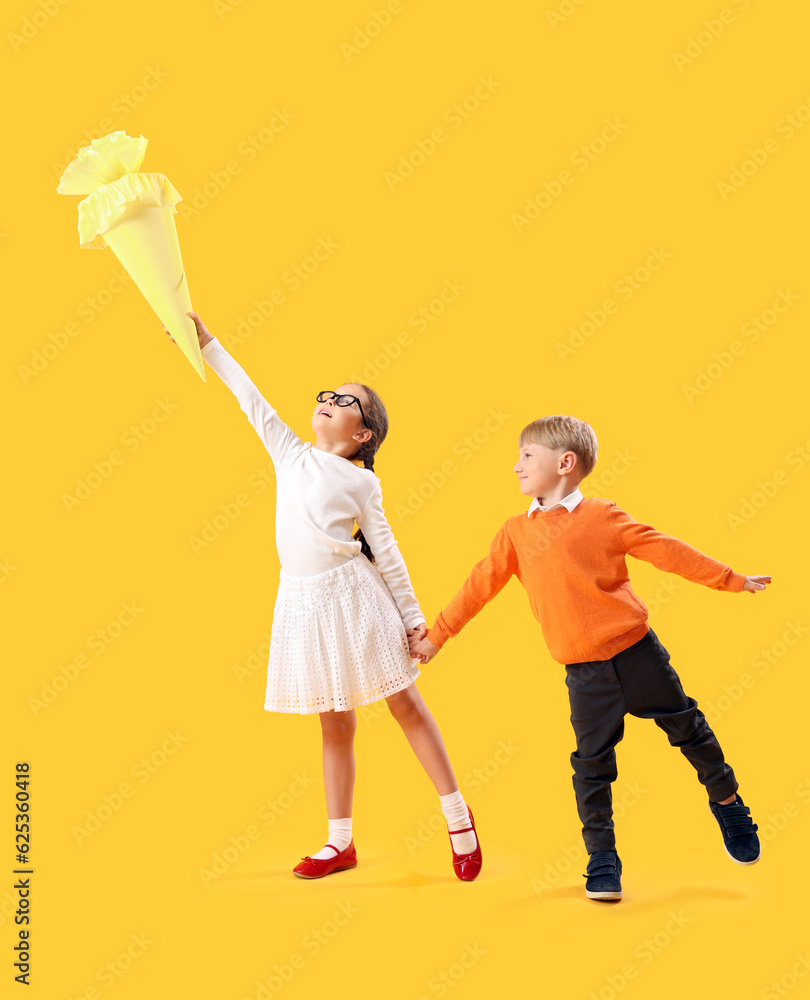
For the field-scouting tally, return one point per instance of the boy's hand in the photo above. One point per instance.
(203, 334)
(418, 633)
(414, 635)
(422, 649)
(755, 583)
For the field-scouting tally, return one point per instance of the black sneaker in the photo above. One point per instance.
(739, 831)
(604, 876)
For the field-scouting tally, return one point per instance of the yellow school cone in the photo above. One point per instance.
(133, 213)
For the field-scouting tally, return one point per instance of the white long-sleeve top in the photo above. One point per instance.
(319, 496)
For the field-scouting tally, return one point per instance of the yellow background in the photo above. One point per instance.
(691, 921)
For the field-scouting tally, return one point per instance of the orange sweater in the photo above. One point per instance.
(572, 565)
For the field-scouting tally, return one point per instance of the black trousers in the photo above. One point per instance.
(639, 680)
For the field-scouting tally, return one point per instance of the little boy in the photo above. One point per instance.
(569, 553)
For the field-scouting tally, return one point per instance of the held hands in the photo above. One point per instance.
(414, 635)
(421, 648)
(203, 334)
(755, 583)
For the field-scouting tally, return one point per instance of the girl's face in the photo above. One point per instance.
(333, 423)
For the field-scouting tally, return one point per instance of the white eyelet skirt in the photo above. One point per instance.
(337, 641)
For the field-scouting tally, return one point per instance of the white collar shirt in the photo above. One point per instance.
(568, 502)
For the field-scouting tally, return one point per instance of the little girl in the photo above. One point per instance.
(345, 606)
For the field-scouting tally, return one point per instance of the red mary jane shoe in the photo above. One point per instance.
(467, 866)
(318, 867)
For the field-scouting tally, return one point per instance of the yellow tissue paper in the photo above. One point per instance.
(133, 213)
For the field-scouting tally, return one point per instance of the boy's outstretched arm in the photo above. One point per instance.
(487, 578)
(675, 556)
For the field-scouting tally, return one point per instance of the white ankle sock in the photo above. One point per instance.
(340, 836)
(458, 817)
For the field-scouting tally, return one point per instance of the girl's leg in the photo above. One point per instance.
(409, 709)
(411, 712)
(338, 730)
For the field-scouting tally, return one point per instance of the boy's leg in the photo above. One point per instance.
(597, 715)
(653, 690)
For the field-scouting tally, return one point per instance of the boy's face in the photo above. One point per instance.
(538, 468)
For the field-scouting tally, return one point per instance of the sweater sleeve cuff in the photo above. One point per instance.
(736, 582)
(438, 633)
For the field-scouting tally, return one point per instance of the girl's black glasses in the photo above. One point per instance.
(344, 399)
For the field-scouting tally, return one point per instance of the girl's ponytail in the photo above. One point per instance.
(377, 423)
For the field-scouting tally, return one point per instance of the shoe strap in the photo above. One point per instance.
(734, 809)
(736, 822)
(466, 829)
(308, 858)
(742, 830)
(602, 867)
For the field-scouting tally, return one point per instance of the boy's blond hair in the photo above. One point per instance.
(568, 433)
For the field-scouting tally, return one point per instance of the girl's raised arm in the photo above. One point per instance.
(279, 439)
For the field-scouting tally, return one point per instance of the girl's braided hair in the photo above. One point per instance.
(377, 423)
